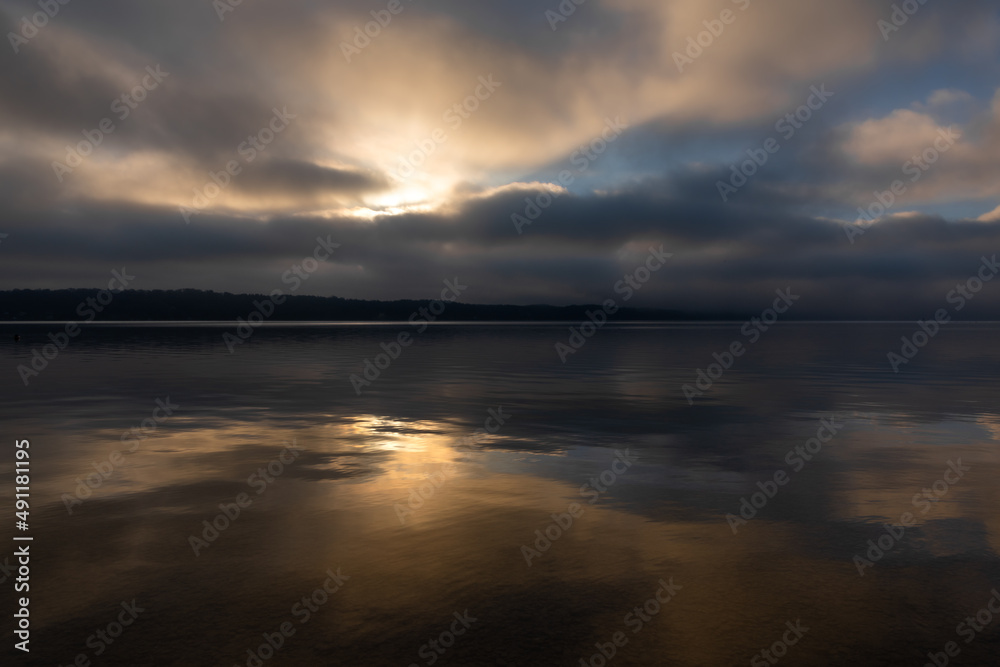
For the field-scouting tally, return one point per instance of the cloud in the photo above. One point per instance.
(992, 216)
(725, 258)
(947, 97)
(893, 139)
(414, 94)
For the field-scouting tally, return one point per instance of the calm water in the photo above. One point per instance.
(342, 502)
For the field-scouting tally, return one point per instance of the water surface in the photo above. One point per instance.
(424, 518)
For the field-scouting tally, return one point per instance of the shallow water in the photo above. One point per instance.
(423, 518)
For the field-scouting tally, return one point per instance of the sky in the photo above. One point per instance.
(537, 151)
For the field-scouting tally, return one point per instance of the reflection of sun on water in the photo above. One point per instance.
(382, 451)
(386, 434)
(416, 448)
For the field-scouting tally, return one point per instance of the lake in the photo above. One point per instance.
(474, 500)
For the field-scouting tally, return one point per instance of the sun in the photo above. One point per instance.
(401, 197)
(422, 192)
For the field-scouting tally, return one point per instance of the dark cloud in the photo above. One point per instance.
(725, 257)
(303, 178)
(658, 183)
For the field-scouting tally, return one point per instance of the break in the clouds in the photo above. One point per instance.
(537, 150)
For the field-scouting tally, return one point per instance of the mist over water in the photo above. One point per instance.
(411, 519)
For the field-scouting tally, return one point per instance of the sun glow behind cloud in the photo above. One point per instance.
(376, 158)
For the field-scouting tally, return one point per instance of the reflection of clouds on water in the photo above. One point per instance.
(333, 507)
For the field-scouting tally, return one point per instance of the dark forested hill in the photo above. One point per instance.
(192, 305)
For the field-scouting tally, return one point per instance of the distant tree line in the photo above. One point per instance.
(200, 305)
